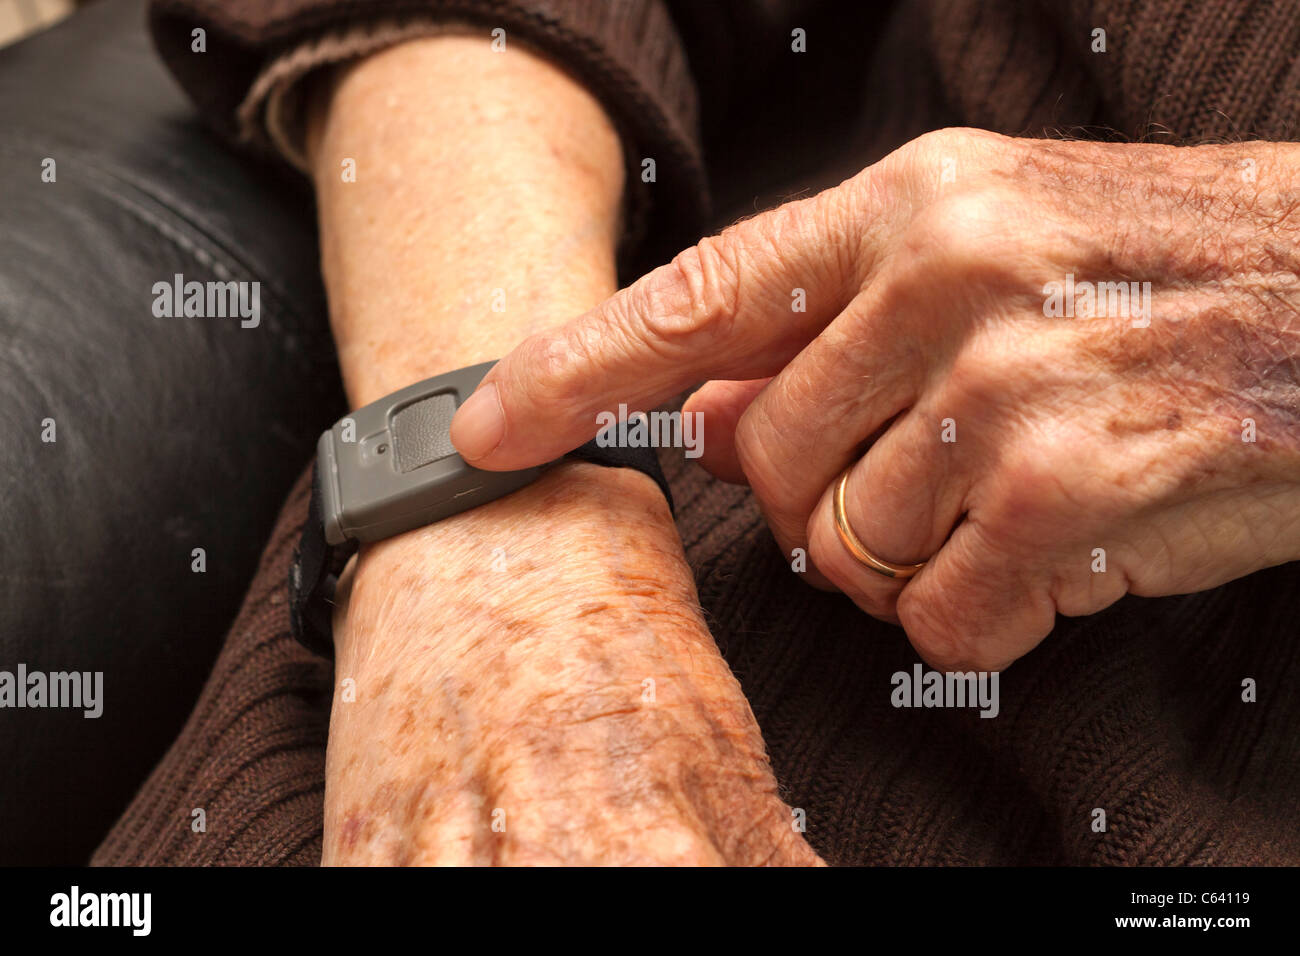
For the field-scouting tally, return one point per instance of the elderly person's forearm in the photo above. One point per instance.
(533, 679)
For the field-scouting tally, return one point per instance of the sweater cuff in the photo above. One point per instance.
(259, 59)
(274, 111)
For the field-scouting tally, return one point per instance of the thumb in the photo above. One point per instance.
(729, 307)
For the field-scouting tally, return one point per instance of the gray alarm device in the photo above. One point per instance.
(390, 466)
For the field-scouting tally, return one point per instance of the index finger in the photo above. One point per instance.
(728, 307)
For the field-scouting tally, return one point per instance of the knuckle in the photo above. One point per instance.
(693, 296)
(813, 222)
(926, 151)
(1076, 592)
(968, 229)
(969, 206)
(955, 142)
(931, 628)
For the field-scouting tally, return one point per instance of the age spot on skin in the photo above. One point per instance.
(353, 825)
(407, 728)
(1143, 421)
(516, 626)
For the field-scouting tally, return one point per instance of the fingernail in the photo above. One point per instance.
(479, 424)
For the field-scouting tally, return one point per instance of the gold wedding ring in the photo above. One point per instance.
(855, 546)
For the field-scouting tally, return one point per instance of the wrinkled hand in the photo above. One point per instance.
(1044, 452)
(559, 702)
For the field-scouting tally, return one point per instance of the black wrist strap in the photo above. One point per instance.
(317, 564)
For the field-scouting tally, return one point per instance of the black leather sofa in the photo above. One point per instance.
(171, 433)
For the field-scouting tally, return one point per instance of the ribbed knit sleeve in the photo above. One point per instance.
(627, 53)
(1209, 68)
(1172, 70)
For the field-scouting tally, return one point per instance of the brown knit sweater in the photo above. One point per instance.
(1137, 710)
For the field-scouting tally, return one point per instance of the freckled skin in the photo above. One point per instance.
(513, 686)
(536, 707)
(1067, 347)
